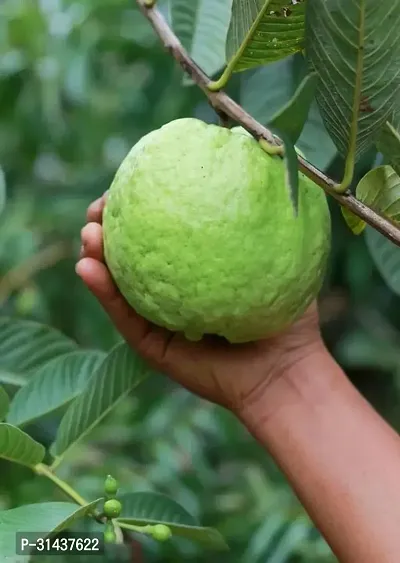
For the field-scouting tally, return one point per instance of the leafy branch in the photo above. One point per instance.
(225, 105)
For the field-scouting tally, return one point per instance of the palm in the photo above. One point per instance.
(213, 368)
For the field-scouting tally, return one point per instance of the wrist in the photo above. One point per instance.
(301, 379)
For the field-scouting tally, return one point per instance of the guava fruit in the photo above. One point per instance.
(201, 237)
(112, 508)
(161, 532)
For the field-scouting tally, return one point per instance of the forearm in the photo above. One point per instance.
(340, 457)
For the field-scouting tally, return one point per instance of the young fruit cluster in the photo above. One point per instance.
(112, 508)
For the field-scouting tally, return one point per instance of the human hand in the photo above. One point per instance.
(234, 376)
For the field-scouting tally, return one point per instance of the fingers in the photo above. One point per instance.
(98, 279)
(92, 241)
(93, 271)
(95, 210)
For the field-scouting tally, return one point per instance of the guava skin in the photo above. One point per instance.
(201, 237)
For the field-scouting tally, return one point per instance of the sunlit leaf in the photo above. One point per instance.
(354, 48)
(353, 221)
(388, 142)
(19, 447)
(263, 31)
(153, 508)
(119, 373)
(44, 519)
(53, 385)
(380, 190)
(202, 26)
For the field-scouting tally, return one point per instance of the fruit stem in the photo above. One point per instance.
(272, 150)
(45, 471)
(140, 529)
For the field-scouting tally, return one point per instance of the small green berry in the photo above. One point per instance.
(112, 508)
(110, 486)
(161, 532)
(109, 534)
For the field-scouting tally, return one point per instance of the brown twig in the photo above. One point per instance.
(223, 104)
(21, 274)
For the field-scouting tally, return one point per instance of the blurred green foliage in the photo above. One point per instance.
(80, 83)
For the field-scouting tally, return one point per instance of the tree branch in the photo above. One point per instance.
(21, 274)
(223, 104)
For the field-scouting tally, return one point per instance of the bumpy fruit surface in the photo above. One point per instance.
(112, 508)
(200, 234)
(160, 532)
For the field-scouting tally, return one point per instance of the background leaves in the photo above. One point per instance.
(386, 256)
(119, 373)
(26, 345)
(18, 447)
(37, 518)
(54, 385)
(80, 83)
(2, 191)
(153, 508)
(4, 403)
(202, 26)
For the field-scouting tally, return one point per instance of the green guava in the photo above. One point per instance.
(201, 237)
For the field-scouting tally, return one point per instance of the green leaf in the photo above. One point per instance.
(267, 89)
(154, 508)
(4, 403)
(386, 257)
(388, 142)
(53, 385)
(288, 124)
(292, 170)
(354, 222)
(44, 519)
(3, 194)
(380, 190)
(19, 447)
(354, 48)
(27, 345)
(263, 31)
(119, 373)
(202, 27)
(291, 118)
(12, 378)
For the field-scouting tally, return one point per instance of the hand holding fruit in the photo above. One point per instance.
(159, 236)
